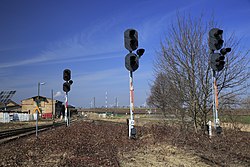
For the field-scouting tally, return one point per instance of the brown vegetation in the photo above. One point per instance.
(99, 143)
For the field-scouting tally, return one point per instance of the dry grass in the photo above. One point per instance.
(160, 156)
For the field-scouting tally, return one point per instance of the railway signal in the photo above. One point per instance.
(140, 52)
(217, 63)
(66, 75)
(66, 88)
(131, 39)
(67, 78)
(217, 59)
(132, 64)
(215, 39)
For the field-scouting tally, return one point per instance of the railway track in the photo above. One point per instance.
(9, 135)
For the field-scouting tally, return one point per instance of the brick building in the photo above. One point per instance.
(46, 105)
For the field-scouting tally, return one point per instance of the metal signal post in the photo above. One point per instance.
(132, 131)
(217, 126)
(66, 109)
(215, 101)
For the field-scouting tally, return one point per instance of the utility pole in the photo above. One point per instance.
(38, 106)
(52, 103)
(116, 102)
(106, 100)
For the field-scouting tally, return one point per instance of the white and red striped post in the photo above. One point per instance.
(66, 109)
(131, 99)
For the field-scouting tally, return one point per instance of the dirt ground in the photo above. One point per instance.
(100, 143)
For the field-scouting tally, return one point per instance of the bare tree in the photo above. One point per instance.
(169, 99)
(165, 96)
(184, 61)
(246, 104)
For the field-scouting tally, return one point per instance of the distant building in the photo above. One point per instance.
(10, 106)
(47, 106)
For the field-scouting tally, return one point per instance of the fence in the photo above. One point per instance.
(7, 117)
(4, 117)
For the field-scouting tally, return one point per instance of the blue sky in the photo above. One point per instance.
(41, 38)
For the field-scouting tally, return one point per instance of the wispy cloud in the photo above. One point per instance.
(58, 94)
(93, 40)
(97, 76)
(99, 39)
(80, 47)
(32, 60)
(16, 47)
(115, 78)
